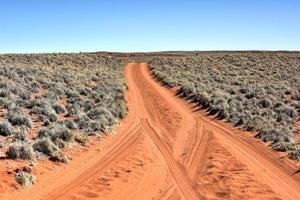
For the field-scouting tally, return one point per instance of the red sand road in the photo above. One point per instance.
(165, 149)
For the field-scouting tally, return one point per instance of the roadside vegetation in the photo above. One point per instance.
(254, 91)
(49, 101)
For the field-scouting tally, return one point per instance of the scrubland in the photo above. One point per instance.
(255, 91)
(49, 101)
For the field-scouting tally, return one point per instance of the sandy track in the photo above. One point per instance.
(167, 150)
(268, 169)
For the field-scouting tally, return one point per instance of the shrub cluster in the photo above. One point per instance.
(20, 150)
(26, 179)
(256, 91)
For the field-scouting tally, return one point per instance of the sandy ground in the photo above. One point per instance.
(166, 149)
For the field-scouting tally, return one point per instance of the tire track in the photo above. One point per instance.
(267, 168)
(199, 149)
(121, 148)
(179, 174)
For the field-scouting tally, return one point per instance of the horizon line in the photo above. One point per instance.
(151, 52)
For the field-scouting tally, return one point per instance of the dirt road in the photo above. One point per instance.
(166, 149)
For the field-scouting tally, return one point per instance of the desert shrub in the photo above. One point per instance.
(45, 146)
(74, 109)
(20, 135)
(295, 154)
(58, 156)
(52, 117)
(81, 138)
(289, 111)
(59, 109)
(72, 94)
(45, 122)
(26, 179)
(6, 128)
(268, 132)
(222, 114)
(45, 132)
(33, 86)
(278, 104)
(42, 108)
(60, 143)
(25, 95)
(284, 146)
(56, 132)
(4, 93)
(69, 124)
(61, 132)
(264, 103)
(122, 110)
(37, 110)
(250, 95)
(95, 125)
(6, 103)
(254, 122)
(19, 120)
(187, 90)
(51, 96)
(82, 121)
(96, 113)
(83, 91)
(203, 99)
(20, 150)
(243, 90)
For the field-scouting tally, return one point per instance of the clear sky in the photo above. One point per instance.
(148, 25)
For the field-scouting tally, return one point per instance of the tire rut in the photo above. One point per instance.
(124, 146)
(179, 174)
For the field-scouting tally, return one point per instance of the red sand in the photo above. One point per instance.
(164, 150)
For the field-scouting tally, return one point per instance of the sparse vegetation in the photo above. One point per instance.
(68, 96)
(253, 91)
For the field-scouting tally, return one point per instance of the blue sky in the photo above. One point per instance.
(153, 25)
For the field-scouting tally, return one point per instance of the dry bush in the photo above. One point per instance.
(20, 151)
(6, 128)
(26, 179)
(45, 146)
